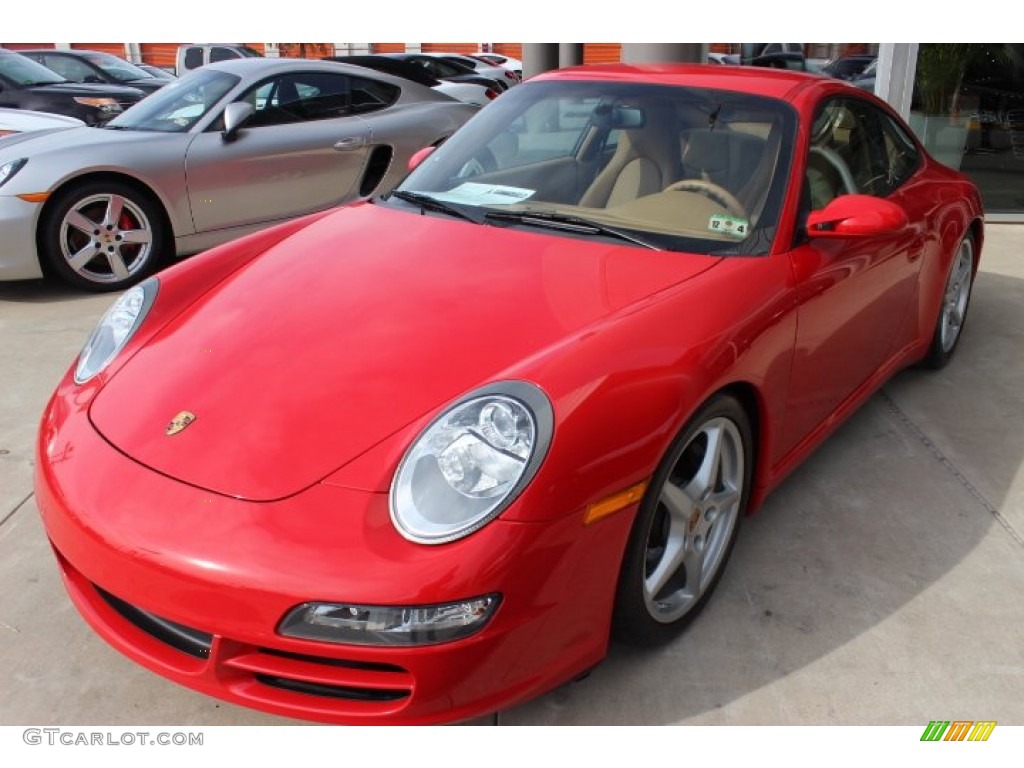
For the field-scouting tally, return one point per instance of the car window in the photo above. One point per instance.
(295, 98)
(116, 68)
(856, 149)
(22, 71)
(70, 68)
(179, 105)
(219, 53)
(193, 58)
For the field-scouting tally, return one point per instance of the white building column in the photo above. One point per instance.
(894, 76)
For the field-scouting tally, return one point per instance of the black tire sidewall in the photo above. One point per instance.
(50, 223)
(631, 622)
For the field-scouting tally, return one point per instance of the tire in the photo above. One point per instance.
(102, 236)
(686, 527)
(956, 298)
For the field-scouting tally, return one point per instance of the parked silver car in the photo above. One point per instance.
(226, 150)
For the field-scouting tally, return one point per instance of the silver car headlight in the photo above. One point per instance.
(114, 330)
(471, 462)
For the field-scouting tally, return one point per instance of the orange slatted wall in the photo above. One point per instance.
(115, 49)
(602, 53)
(25, 46)
(160, 54)
(387, 47)
(513, 50)
(451, 47)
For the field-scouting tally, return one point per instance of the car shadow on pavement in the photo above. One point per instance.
(852, 595)
(44, 290)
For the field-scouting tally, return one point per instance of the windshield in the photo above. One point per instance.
(678, 168)
(119, 69)
(25, 72)
(179, 105)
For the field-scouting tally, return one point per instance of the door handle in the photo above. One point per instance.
(349, 143)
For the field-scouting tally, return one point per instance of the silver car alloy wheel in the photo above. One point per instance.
(956, 295)
(106, 238)
(698, 507)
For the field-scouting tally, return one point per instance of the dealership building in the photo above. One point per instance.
(964, 100)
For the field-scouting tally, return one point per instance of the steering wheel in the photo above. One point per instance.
(713, 192)
(832, 158)
(482, 162)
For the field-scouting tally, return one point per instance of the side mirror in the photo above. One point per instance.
(856, 216)
(92, 79)
(420, 156)
(235, 115)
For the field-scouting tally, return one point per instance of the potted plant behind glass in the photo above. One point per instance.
(937, 116)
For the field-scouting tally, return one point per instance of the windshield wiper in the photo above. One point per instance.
(428, 203)
(570, 223)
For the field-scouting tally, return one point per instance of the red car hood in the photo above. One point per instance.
(349, 330)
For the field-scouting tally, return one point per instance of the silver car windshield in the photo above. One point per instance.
(176, 107)
(680, 168)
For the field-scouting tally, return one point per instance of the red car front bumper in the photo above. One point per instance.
(193, 585)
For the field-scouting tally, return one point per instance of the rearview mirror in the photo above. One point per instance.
(856, 216)
(627, 117)
(235, 115)
(420, 156)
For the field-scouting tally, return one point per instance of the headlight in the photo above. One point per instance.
(388, 624)
(7, 170)
(104, 103)
(471, 462)
(115, 329)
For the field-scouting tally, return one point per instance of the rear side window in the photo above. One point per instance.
(371, 95)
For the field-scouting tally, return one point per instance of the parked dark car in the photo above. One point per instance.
(24, 84)
(445, 69)
(82, 66)
(158, 72)
(423, 70)
(849, 67)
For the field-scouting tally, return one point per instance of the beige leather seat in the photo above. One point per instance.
(646, 160)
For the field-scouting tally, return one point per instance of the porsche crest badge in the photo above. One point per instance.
(179, 422)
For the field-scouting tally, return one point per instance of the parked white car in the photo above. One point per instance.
(500, 60)
(501, 74)
(22, 120)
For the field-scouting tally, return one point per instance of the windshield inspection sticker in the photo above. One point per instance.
(472, 193)
(729, 225)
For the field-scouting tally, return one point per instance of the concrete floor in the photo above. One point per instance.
(882, 584)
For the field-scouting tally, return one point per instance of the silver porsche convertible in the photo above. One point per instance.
(228, 149)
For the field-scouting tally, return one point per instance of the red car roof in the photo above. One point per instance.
(762, 81)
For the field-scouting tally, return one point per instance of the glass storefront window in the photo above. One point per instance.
(968, 109)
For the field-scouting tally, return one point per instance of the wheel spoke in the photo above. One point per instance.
(79, 259)
(723, 501)
(80, 222)
(678, 502)
(675, 554)
(117, 265)
(114, 207)
(137, 236)
(704, 480)
(693, 562)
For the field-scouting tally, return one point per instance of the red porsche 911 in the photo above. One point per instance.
(419, 459)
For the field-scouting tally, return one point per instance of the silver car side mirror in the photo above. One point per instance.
(235, 115)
